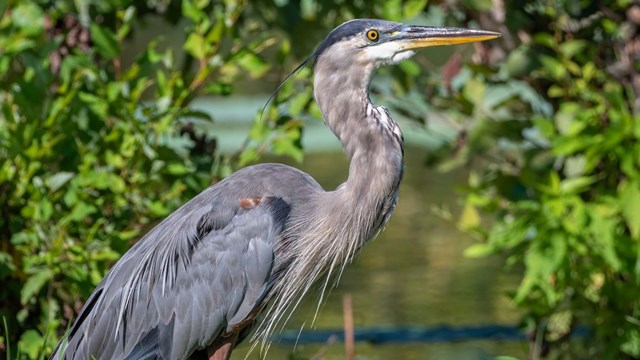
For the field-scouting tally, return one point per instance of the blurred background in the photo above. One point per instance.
(520, 207)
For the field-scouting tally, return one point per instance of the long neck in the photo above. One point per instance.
(371, 140)
(326, 233)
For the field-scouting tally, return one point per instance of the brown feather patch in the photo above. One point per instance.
(248, 203)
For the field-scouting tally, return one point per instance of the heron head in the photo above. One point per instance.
(379, 42)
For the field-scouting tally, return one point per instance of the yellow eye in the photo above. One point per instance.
(373, 35)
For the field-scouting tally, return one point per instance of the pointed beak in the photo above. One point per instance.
(415, 37)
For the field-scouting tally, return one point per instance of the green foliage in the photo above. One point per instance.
(556, 129)
(92, 150)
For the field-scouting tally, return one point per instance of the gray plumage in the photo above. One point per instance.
(195, 283)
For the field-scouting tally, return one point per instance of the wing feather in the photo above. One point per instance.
(182, 285)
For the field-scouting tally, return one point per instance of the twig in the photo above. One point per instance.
(6, 337)
(349, 338)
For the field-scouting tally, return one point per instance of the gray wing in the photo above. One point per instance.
(201, 271)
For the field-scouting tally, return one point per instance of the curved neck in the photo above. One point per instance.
(325, 233)
(370, 138)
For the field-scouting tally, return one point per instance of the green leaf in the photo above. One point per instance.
(572, 47)
(259, 131)
(254, 64)
(603, 224)
(18, 45)
(31, 343)
(545, 126)
(28, 17)
(540, 265)
(191, 11)
(177, 169)
(410, 68)
(219, 88)
(6, 264)
(308, 9)
(569, 145)
(474, 90)
(216, 33)
(159, 208)
(288, 144)
(97, 104)
(127, 15)
(33, 284)
(553, 67)
(299, 101)
(57, 180)
(392, 10)
(81, 210)
(412, 8)
(629, 198)
(478, 250)
(545, 39)
(248, 156)
(44, 209)
(632, 344)
(556, 91)
(470, 218)
(577, 184)
(105, 41)
(195, 46)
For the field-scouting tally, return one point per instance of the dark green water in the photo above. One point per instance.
(414, 273)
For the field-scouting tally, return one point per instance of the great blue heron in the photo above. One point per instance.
(194, 285)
